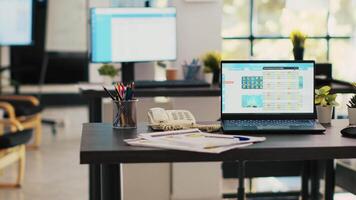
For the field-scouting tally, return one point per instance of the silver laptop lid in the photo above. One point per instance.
(267, 89)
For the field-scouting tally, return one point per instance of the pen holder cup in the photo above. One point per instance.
(191, 72)
(124, 114)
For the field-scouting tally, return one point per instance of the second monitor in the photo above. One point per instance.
(133, 34)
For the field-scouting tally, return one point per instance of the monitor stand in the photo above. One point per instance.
(127, 72)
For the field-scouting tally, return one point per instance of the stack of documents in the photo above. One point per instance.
(193, 140)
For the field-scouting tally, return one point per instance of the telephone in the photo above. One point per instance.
(161, 119)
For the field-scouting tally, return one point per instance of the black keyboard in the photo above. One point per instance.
(171, 84)
(272, 123)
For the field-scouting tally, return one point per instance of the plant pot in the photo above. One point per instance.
(324, 114)
(209, 77)
(171, 74)
(298, 53)
(107, 80)
(352, 116)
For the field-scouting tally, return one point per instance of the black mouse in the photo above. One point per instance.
(349, 132)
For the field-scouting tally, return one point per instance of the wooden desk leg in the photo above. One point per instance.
(241, 188)
(94, 170)
(305, 180)
(110, 182)
(94, 182)
(329, 180)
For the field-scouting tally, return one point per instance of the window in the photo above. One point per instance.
(260, 29)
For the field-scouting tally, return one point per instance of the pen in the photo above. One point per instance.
(109, 93)
(241, 138)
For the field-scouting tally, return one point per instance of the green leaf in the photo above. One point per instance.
(318, 100)
(325, 90)
(317, 92)
(330, 97)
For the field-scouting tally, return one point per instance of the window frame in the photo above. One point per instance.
(252, 37)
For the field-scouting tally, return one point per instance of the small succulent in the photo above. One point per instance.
(352, 102)
(108, 70)
(324, 98)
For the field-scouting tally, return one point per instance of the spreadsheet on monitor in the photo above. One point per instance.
(268, 87)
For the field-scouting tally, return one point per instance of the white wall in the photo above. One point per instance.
(199, 28)
(66, 26)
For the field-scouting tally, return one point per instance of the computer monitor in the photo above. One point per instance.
(267, 87)
(16, 22)
(133, 34)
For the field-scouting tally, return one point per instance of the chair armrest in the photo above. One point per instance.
(11, 120)
(9, 109)
(14, 124)
(30, 99)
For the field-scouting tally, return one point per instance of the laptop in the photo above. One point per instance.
(268, 96)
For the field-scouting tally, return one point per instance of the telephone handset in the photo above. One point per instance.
(161, 119)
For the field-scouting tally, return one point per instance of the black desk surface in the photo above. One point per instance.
(101, 144)
(96, 91)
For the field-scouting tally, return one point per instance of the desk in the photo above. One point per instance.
(94, 94)
(104, 146)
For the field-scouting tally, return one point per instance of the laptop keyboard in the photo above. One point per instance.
(272, 123)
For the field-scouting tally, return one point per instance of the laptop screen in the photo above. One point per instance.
(256, 87)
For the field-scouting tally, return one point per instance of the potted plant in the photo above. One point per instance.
(108, 72)
(325, 103)
(352, 109)
(211, 61)
(298, 41)
(208, 75)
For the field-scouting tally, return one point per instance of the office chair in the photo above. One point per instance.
(21, 108)
(27, 111)
(12, 149)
